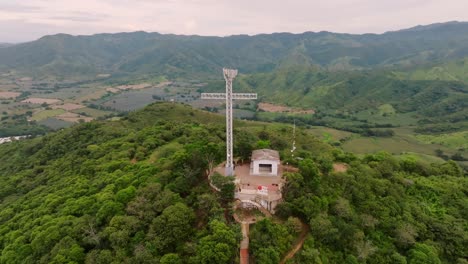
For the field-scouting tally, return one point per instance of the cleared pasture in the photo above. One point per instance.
(91, 112)
(329, 134)
(54, 123)
(68, 106)
(36, 100)
(268, 107)
(9, 95)
(46, 114)
(397, 144)
(72, 117)
(457, 140)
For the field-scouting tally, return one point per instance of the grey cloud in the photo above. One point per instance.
(223, 17)
(75, 18)
(12, 7)
(80, 17)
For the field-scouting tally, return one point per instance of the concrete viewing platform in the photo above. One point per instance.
(258, 188)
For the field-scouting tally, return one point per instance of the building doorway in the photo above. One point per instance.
(265, 168)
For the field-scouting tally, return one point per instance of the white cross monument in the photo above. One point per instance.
(229, 75)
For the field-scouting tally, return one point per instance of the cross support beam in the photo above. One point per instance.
(235, 96)
(229, 75)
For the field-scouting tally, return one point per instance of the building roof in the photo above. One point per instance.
(265, 154)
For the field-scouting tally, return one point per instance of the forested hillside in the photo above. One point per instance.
(175, 56)
(435, 99)
(135, 191)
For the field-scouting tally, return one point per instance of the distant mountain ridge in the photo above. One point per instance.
(4, 45)
(176, 55)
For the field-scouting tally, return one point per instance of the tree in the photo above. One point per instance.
(171, 258)
(219, 247)
(263, 144)
(172, 227)
(67, 251)
(423, 254)
(310, 171)
(294, 225)
(267, 234)
(267, 255)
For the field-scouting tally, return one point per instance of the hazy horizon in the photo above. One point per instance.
(27, 20)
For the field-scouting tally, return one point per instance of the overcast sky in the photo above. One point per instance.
(27, 20)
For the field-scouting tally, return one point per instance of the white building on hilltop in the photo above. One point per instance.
(260, 182)
(265, 162)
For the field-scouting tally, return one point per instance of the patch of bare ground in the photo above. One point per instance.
(133, 86)
(103, 75)
(34, 100)
(8, 95)
(112, 90)
(162, 84)
(288, 168)
(68, 106)
(340, 167)
(267, 107)
(72, 117)
(120, 88)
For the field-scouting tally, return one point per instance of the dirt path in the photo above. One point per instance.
(340, 167)
(298, 245)
(267, 107)
(244, 245)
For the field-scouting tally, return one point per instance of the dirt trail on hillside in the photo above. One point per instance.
(298, 245)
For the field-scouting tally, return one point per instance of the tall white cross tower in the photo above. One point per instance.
(229, 75)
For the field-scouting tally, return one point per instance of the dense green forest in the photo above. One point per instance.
(135, 190)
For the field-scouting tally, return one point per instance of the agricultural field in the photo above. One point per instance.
(421, 157)
(44, 114)
(36, 100)
(274, 108)
(457, 140)
(92, 112)
(91, 95)
(271, 116)
(54, 123)
(54, 104)
(9, 95)
(129, 100)
(385, 115)
(68, 106)
(330, 135)
(65, 94)
(403, 141)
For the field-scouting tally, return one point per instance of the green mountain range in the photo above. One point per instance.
(173, 55)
